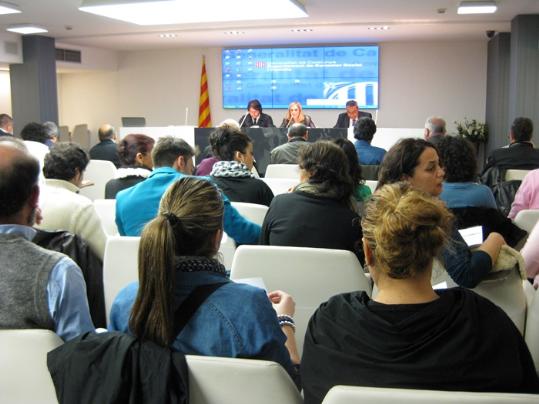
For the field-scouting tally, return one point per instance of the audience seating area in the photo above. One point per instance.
(527, 218)
(99, 172)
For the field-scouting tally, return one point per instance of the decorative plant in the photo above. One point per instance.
(476, 132)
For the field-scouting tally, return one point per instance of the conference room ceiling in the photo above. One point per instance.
(329, 21)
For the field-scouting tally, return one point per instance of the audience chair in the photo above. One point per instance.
(377, 395)
(531, 334)
(227, 250)
(280, 185)
(64, 135)
(310, 275)
(106, 210)
(526, 219)
(251, 211)
(99, 172)
(24, 377)
(372, 185)
(370, 172)
(515, 175)
(81, 136)
(215, 380)
(282, 171)
(120, 266)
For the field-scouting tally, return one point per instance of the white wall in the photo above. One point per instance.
(417, 79)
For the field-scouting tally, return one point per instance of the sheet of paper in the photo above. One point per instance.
(473, 236)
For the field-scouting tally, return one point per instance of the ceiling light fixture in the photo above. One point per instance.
(477, 7)
(167, 35)
(26, 29)
(301, 30)
(379, 28)
(234, 32)
(162, 12)
(8, 8)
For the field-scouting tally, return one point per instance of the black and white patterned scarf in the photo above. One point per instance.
(230, 169)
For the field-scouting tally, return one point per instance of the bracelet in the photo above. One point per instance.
(287, 320)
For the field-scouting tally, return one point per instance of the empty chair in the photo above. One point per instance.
(24, 377)
(252, 211)
(227, 250)
(526, 219)
(64, 135)
(81, 136)
(215, 380)
(374, 395)
(310, 275)
(282, 171)
(513, 174)
(281, 185)
(106, 210)
(99, 172)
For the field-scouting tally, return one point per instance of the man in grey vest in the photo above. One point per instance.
(38, 288)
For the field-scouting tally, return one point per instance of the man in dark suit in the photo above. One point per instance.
(255, 116)
(349, 118)
(106, 149)
(6, 125)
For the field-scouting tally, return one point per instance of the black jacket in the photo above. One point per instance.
(520, 155)
(504, 191)
(343, 121)
(106, 150)
(264, 121)
(246, 189)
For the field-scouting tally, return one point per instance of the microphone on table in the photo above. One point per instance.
(243, 120)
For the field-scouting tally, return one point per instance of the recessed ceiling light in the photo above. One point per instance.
(8, 8)
(477, 7)
(161, 12)
(301, 30)
(379, 28)
(26, 29)
(167, 35)
(234, 32)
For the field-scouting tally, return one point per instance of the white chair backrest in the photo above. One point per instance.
(251, 211)
(374, 395)
(99, 172)
(526, 219)
(215, 380)
(63, 133)
(24, 377)
(227, 250)
(310, 275)
(512, 174)
(371, 184)
(120, 266)
(531, 334)
(282, 171)
(81, 136)
(106, 210)
(280, 185)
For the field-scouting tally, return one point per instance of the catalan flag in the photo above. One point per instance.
(204, 114)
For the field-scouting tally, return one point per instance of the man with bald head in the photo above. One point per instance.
(38, 288)
(106, 149)
(434, 129)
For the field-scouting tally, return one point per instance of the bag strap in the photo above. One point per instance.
(185, 311)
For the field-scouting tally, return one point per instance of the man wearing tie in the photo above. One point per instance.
(255, 116)
(349, 118)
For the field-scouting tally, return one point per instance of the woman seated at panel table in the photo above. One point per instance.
(410, 336)
(295, 115)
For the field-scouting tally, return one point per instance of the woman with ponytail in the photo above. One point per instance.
(177, 264)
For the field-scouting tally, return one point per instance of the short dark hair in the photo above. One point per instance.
(353, 161)
(63, 161)
(255, 104)
(105, 133)
(351, 103)
(522, 129)
(167, 150)
(297, 130)
(5, 119)
(35, 132)
(228, 141)
(457, 157)
(17, 181)
(131, 145)
(364, 129)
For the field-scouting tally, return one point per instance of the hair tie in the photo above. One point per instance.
(172, 218)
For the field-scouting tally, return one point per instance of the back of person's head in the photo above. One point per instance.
(522, 129)
(405, 229)
(19, 173)
(106, 132)
(327, 167)
(35, 132)
(364, 129)
(297, 130)
(230, 123)
(401, 160)
(457, 157)
(64, 161)
(167, 150)
(131, 145)
(5, 121)
(435, 125)
(228, 141)
(353, 162)
(51, 129)
(189, 218)
(255, 104)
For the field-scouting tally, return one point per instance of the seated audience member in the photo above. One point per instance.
(255, 116)
(288, 153)
(530, 253)
(364, 131)
(416, 161)
(349, 118)
(172, 159)
(61, 205)
(106, 149)
(37, 141)
(434, 130)
(409, 335)
(6, 125)
(527, 196)
(135, 152)
(210, 158)
(38, 288)
(177, 261)
(52, 131)
(232, 173)
(319, 212)
(295, 115)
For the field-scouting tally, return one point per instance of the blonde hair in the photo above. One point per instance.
(190, 214)
(301, 117)
(405, 229)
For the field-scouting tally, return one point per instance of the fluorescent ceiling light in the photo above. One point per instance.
(8, 8)
(25, 29)
(477, 7)
(162, 12)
